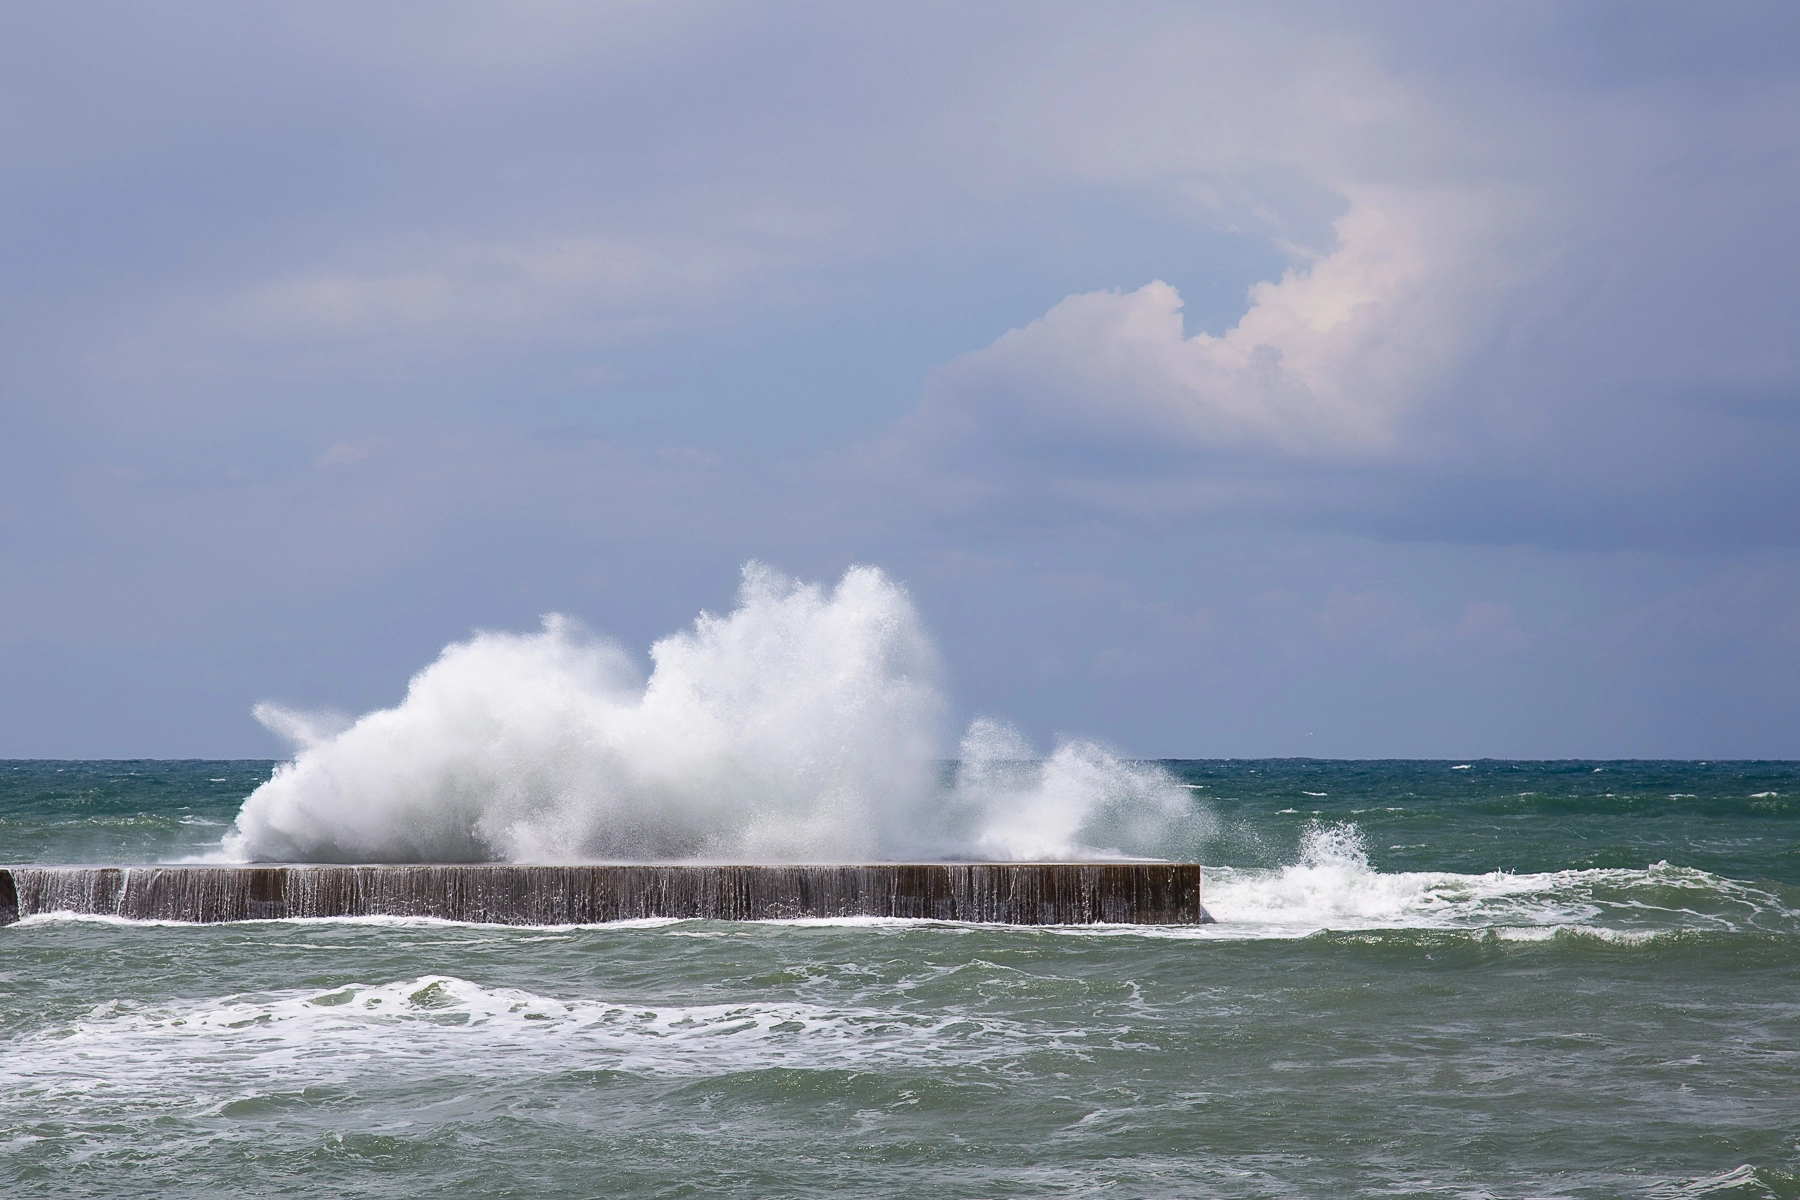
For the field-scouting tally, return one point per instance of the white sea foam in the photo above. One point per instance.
(181, 1050)
(1083, 798)
(806, 725)
(1333, 887)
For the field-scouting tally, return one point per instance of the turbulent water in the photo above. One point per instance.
(1430, 979)
(806, 725)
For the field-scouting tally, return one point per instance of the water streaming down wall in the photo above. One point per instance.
(1005, 893)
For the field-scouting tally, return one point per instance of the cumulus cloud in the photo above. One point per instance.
(1329, 361)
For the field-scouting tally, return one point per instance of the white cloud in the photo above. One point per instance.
(1331, 360)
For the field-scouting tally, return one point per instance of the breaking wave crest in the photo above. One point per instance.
(339, 1034)
(806, 725)
(1331, 886)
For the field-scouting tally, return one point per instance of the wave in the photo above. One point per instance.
(1332, 887)
(803, 726)
(340, 1034)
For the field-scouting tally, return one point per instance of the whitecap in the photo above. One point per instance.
(184, 1054)
(1332, 886)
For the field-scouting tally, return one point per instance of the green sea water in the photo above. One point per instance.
(1427, 979)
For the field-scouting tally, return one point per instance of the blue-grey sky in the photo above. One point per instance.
(1389, 380)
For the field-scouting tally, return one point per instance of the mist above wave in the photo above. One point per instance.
(805, 725)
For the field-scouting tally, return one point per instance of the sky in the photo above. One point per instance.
(1385, 380)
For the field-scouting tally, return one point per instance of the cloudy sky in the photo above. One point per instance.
(1405, 380)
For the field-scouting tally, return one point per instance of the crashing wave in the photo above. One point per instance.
(804, 726)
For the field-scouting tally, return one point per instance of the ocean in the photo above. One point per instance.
(1427, 979)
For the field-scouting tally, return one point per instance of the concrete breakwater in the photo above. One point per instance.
(1004, 893)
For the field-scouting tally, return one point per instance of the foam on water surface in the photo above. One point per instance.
(438, 1023)
(1333, 887)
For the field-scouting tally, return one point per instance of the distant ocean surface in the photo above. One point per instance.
(1428, 979)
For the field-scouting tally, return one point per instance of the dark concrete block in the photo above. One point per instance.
(1004, 893)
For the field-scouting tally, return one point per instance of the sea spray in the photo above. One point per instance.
(1333, 886)
(1083, 798)
(804, 726)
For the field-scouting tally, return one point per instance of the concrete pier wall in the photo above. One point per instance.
(1005, 893)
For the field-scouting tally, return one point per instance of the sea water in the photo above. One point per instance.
(1427, 979)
